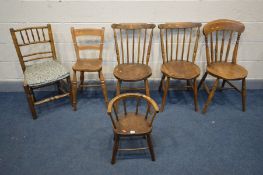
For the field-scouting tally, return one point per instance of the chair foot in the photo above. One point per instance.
(115, 149)
(149, 141)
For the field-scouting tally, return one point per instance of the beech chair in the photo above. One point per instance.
(37, 56)
(132, 122)
(88, 64)
(179, 44)
(133, 43)
(218, 34)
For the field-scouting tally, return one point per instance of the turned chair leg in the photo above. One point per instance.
(210, 96)
(147, 89)
(150, 145)
(30, 100)
(59, 87)
(70, 90)
(104, 88)
(161, 83)
(165, 93)
(223, 85)
(188, 85)
(74, 90)
(244, 95)
(81, 80)
(195, 94)
(202, 80)
(115, 148)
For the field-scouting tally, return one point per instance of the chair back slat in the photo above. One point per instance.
(88, 32)
(28, 42)
(225, 32)
(129, 37)
(179, 40)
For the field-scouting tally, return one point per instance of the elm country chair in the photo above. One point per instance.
(179, 44)
(135, 120)
(133, 43)
(93, 42)
(37, 56)
(220, 35)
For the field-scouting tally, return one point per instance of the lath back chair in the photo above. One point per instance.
(133, 43)
(179, 45)
(222, 41)
(135, 120)
(88, 64)
(37, 56)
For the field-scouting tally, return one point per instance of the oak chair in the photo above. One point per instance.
(135, 120)
(133, 43)
(179, 44)
(88, 64)
(218, 34)
(37, 56)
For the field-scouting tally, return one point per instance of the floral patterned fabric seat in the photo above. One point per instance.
(43, 73)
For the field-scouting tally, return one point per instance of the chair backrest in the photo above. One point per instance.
(33, 43)
(88, 32)
(179, 41)
(143, 105)
(219, 33)
(133, 42)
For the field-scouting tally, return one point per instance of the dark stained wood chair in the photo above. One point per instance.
(220, 35)
(135, 120)
(88, 64)
(179, 44)
(37, 56)
(133, 43)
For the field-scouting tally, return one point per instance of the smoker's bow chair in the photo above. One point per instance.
(94, 43)
(133, 43)
(37, 56)
(220, 35)
(179, 44)
(135, 120)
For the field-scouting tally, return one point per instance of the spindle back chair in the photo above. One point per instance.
(179, 45)
(88, 64)
(130, 122)
(133, 42)
(222, 40)
(37, 56)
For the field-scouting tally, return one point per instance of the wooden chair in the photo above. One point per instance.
(133, 43)
(37, 56)
(223, 32)
(88, 64)
(138, 122)
(179, 44)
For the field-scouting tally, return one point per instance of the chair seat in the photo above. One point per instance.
(132, 72)
(89, 65)
(227, 71)
(44, 73)
(180, 70)
(132, 124)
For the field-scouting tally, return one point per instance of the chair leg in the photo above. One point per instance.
(244, 95)
(188, 85)
(147, 89)
(202, 80)
(115, 148)
(165, 93)
(74, 91)
(211, 95)
(81, 80)
(104, 88)
(161, 83)
(195, 94)
(150, 145)
(70, 90)
(30, 100)
(118, 92)
(223, 85)
(59, 87)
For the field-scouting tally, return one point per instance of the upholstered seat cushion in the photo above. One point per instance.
(43, 73)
